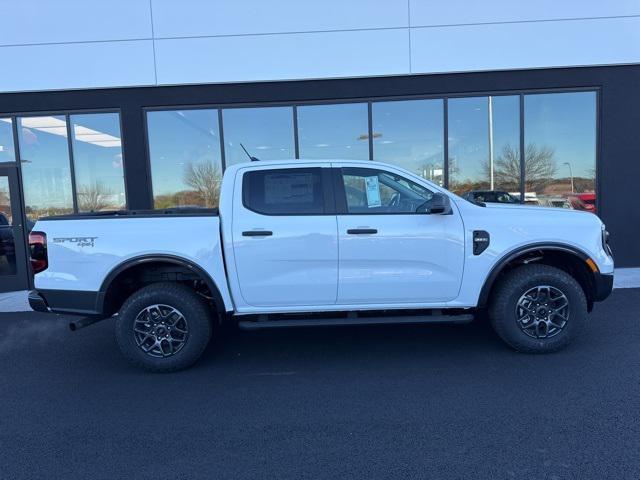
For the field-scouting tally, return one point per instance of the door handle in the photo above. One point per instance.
(257, 233)
(362, 231)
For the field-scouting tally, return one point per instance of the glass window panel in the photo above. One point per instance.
(410, 134)
(266, 133)
(503, 166)
(46, 172)
(337, 131)
(184, 151)
(484, 147)
(560, 151)
(97, 158)
(468, 144)
(7, 151)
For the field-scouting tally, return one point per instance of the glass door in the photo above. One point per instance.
(14, 273)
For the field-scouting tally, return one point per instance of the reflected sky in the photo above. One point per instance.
(267, 133)
(46, 172)
(338, 131)
(177, 138)
(410, 134)
(567, 123)
(97, 155)
(484, 143)
(7, 151)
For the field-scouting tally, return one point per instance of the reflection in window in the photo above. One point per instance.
(97, 157)
(46, 173)
(484, 144)
(560, 152)
(410, 134)
(184, 152)
(503, 165)
(266, 133)
(338, 131)
(468, 144)
(7, 152)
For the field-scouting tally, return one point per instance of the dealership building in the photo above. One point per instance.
(142, 104)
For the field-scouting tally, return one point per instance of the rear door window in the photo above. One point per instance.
(284, 191)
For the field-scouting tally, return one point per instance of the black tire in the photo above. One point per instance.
(514, 285)
(180, 353)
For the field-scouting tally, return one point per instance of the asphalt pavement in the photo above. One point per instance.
(429, 401)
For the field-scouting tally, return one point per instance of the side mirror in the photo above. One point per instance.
(438, 204)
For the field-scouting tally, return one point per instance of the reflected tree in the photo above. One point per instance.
(204, 178)
(94, 197)
(539, 167)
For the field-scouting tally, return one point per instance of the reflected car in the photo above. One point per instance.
(490, 196)
(557, 202)
(583, 201)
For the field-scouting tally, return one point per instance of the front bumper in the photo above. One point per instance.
(603, 286)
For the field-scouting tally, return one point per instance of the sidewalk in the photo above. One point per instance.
(17, 301)
(14, 302)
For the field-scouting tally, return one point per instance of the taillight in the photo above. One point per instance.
(38, 251)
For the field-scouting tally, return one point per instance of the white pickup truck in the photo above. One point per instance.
(319, 243)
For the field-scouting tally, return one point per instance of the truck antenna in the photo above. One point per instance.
(253, 159)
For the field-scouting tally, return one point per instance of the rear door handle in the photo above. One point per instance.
(257, 233)
(362, 231)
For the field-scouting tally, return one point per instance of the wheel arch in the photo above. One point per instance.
(557, 253)
(136, 262)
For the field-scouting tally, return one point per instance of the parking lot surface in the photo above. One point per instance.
(434, 401)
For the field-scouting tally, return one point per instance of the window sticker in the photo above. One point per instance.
(373, 191)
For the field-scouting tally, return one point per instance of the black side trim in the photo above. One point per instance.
(217, 298)
(603, 286)
(500, 264)
(75, 302)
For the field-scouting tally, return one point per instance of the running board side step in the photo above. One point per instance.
(327, 322)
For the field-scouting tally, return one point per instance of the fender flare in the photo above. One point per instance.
(511, 255)
(142, 259)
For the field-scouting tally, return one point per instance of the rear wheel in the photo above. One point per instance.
(163, 327)
(538, 308)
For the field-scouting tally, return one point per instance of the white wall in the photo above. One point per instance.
(97, 43)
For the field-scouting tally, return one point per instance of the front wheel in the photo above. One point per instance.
(163, 327)
(537, 308)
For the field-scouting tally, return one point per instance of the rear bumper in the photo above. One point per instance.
(603, 286)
